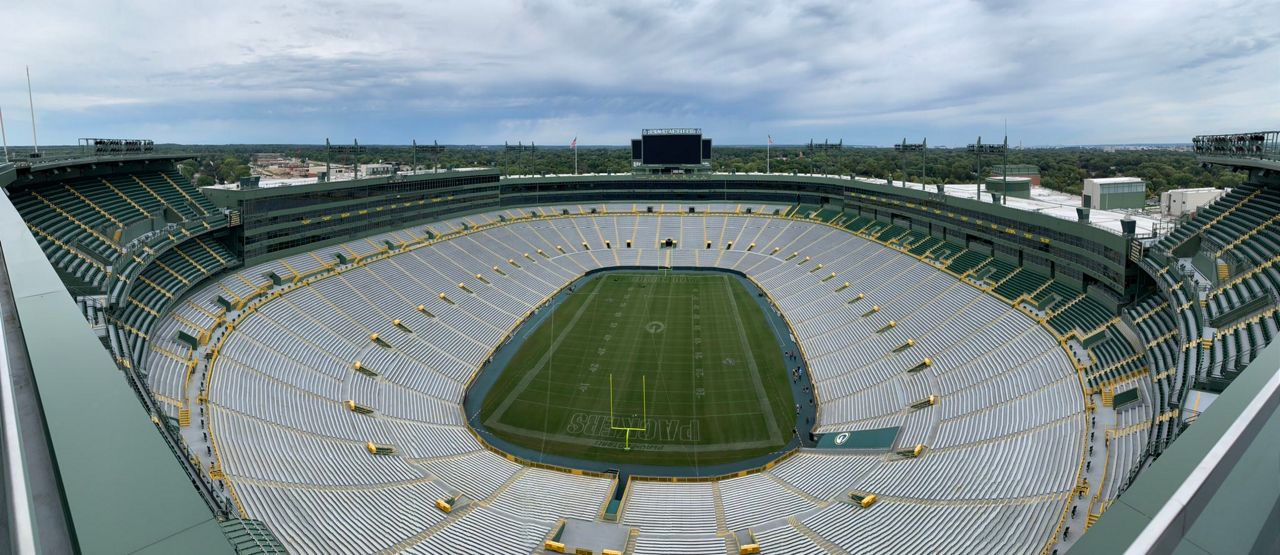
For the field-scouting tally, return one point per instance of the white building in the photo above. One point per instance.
(1178, 202)
(370, 170)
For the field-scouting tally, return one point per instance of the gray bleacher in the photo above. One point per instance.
(1005, 389)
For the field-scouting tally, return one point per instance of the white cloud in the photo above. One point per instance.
(1061, 72)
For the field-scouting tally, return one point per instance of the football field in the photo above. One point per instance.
(659, 368)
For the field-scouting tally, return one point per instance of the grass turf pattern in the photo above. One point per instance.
(693, 362)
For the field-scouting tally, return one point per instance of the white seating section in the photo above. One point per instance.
(1003, 442)
(679, 545)
(787, 540)
(917, 528)
(756, 499)
(484, 531)
(672, 508)
(550, 495)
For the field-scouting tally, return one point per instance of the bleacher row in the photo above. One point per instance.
(81, 225)
(1205, 333)
(1004, 438)
(162, 283)
(1157, 328)
(1248, 239)
(1065, 308)
(78, 222)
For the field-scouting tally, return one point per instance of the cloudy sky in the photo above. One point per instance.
(867, 72)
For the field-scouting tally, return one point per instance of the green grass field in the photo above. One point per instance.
(715, 388)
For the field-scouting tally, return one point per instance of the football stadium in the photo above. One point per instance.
(667, 361)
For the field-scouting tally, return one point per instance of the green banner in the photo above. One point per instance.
(880, 438)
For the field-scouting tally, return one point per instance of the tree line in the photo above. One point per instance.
(1062, 169)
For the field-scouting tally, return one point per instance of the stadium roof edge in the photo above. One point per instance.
(1058, 210)
(25, 168)
(260, 192)
(119, 487)
(1240, 162)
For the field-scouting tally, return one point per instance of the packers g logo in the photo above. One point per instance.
(843, 437)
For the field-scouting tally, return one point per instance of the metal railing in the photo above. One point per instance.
(24, 158)
(1263, 145)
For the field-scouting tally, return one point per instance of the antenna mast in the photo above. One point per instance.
(34, 143)
(4, 137)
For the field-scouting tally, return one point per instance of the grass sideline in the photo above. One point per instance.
(716, 387)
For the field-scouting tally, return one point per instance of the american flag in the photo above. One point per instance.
(770, 139)
(574, 143)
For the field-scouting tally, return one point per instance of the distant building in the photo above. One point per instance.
(266, 158)
(1108, 193)
(1179, 202)
(371, 170)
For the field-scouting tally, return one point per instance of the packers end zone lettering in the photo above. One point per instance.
(655, 429)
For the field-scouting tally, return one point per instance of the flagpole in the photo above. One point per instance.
(4, 137)
(575, 156)
(35, 143)
(768, 146)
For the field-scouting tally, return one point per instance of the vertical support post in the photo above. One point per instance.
(355, 159)
(924, 172)
(1005, 173)
(902, 159)
(977, 172)
(4, 137)
(35, 143)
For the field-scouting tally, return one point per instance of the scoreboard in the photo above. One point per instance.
(671, 147)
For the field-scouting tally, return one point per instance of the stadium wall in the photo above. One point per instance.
(288, 220)
(280, 221)
(1073, 252)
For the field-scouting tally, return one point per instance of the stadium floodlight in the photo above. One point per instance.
(644, 413)
(920, 147)
(1264, 144)
(978, 149)
(434, 149)
(354, 150)
(824, 147)
(115, 147)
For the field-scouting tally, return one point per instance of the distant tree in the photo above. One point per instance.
(1061, 169)
(188, 168)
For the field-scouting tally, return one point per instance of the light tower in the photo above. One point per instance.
(912, 147)
(978, 149)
